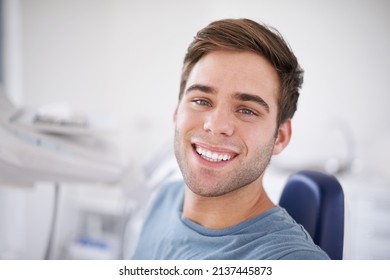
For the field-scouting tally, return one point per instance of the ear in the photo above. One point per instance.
(283, 137)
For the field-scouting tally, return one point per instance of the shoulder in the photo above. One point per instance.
(305, 254)
(169, 192)
(162, 212)
(167, 198)
(285, 239)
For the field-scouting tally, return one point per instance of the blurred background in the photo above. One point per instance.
(109, 71)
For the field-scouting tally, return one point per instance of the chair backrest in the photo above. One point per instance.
(316, 201)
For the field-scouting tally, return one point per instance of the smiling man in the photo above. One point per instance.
(239, 90)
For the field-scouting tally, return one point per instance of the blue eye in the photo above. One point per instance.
(247, 112)
(201, 102)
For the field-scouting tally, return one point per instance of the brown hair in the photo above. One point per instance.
(247, 35)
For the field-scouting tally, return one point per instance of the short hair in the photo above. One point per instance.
(248, 35)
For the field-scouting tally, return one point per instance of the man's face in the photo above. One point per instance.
(226, 122)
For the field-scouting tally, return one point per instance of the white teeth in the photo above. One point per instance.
(210, 156)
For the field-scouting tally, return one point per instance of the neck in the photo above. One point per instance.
(226, 210)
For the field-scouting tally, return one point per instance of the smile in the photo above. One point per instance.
(212, 156)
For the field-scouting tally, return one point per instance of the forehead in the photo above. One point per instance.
(236, 71)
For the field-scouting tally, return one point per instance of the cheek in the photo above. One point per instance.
(181, 120)
(186, 120)
(256, 138)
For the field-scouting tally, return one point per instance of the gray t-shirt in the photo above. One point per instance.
(272, 235)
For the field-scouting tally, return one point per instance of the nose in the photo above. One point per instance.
(219, 121)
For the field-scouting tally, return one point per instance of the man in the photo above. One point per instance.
(239, 90)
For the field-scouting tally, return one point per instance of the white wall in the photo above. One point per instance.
(124, 58)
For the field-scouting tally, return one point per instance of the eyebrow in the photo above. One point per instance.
(239, 96)
(253, 98)
(202, 88)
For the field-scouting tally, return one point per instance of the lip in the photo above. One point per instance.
(220, 150)
(216, 149)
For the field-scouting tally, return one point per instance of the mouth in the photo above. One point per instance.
(214, 156)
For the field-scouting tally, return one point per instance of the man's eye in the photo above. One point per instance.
(247, 112)
(201, 102)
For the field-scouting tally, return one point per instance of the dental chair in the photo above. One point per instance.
(316, 201)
